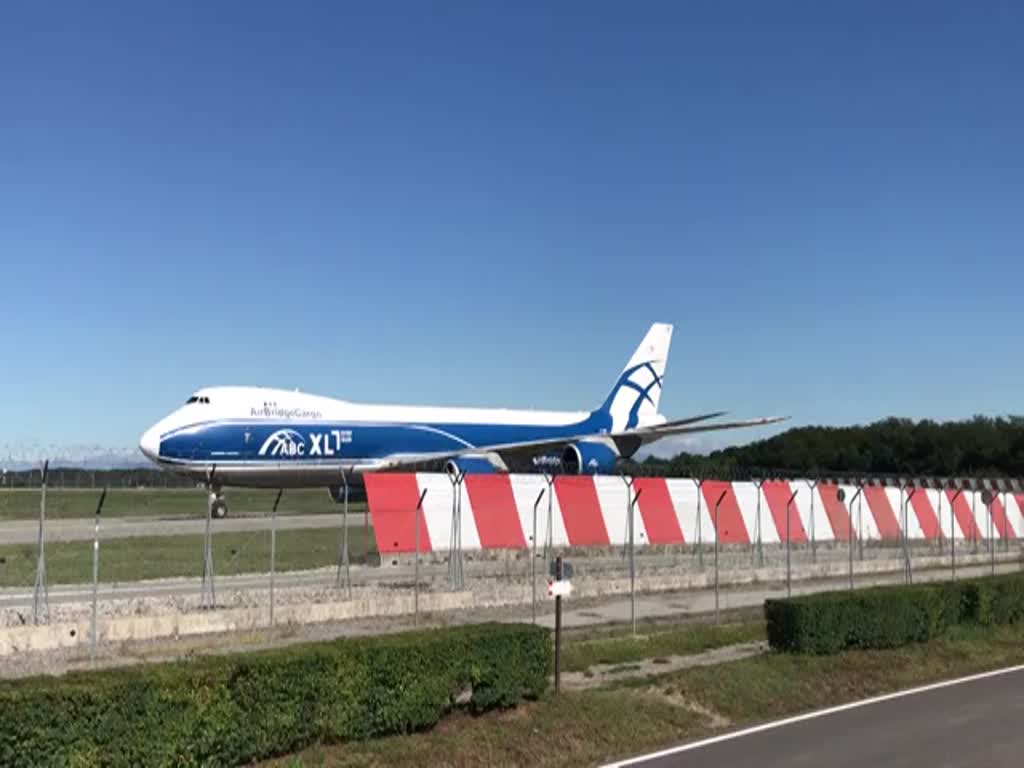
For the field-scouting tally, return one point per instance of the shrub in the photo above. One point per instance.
(887, 617)
(230, 710)
(996, 600)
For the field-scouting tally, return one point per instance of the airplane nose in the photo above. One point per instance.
(149, 444)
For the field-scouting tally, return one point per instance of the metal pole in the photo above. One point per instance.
(416, 566)
(344, 560)
(856, 497)
(632, 560)
(974, 519)
(533, 558)
(273, 551)
(717, 504)
(628, 481)
(991, 534)
(907, 554)
(814, 545)
(1006, 523)
(548, 532)
(455, 544)
(558, 627)
(952, 530)
(860, 522)
(96, 572)
(700, 542)
(208, 571)
(41, 595)
(760, 538)
(789, 571)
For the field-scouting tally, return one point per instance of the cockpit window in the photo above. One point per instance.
(197, 399)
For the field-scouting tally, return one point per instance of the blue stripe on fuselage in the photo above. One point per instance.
(311, 442)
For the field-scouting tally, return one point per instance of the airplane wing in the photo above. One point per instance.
(626, 441)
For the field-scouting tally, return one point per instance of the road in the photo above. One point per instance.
(79, 529)
(975, 722)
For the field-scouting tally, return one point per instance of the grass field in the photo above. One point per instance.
(592, 726)
(166, 556)
(22, 504)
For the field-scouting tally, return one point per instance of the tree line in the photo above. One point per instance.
(977, 447)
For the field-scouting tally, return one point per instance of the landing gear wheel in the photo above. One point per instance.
(219, 509)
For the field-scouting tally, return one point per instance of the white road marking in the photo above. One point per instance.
(810, 716)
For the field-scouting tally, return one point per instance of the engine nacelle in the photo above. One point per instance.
(475, 464)
(589, 457)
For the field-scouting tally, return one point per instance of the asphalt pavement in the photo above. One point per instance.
(976, 722)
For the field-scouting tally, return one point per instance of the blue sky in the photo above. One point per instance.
(487, 203)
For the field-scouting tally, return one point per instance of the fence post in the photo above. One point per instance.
(812, 484)
(416, 565)
(760, 537)
(987, 499)
(952, 528)
(1006, 522)
(700, 541)
(273, 551)
(717, 505)
(41, 594)
(533, 558)
(344, 560)
(548, 532)
(974, 515)
(455, 538)
(96, 572)
(208, 570)
(789, 569)
(907, 551)
(632, 558)
(856, 497)
(860, 519)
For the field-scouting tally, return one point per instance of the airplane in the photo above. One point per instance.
(275, 438)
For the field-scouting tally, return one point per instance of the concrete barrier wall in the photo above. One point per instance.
(497, 511)
(172, 625)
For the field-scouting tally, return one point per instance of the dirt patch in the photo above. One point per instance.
(715, 720)
(604, 674)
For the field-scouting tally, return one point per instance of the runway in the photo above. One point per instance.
(974, 722)
(81, 529)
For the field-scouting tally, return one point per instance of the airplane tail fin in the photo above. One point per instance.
(633, 401)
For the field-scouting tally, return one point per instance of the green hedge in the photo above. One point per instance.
(231, 710)
(888, 617)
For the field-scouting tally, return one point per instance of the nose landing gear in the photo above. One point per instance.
(218, 507)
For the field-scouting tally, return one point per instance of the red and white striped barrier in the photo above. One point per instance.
(496, 512)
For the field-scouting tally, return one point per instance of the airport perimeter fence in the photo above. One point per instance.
(77, 478)
(638, 548)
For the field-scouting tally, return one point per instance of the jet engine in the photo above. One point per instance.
(589, 457)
